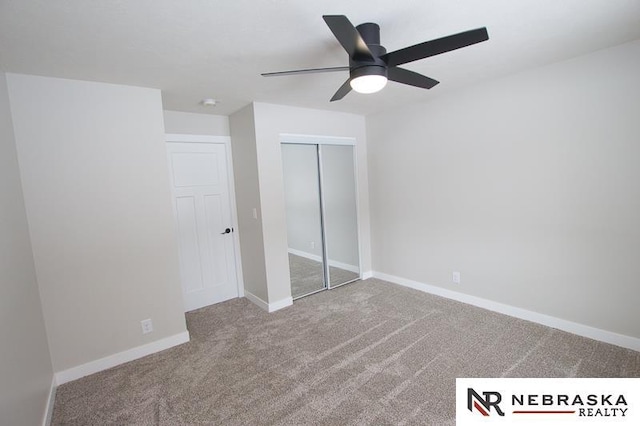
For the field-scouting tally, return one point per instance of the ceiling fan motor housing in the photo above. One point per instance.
(370, 33)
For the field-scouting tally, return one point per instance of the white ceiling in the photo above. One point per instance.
(192, 49)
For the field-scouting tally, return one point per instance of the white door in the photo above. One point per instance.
(200, 189)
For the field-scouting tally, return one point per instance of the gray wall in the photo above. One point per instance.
(26, 373)
(257, 163)
(246, 181)
(271, 121)
(196, 124)
(528, 185)
(96, 189)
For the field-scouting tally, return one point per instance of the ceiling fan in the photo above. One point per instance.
(370, 66)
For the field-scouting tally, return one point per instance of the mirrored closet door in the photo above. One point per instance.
(304, 226)
(321, 209)
(340, 213)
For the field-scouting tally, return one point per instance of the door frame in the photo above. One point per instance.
(226, 141)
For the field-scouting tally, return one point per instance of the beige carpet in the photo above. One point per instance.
(366, 353)
(307, 276)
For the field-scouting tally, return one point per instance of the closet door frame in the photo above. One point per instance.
(287, 138)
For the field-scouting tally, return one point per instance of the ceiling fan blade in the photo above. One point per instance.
(307, 71)
(411, 78)
(348, 37)
(342, 91)
(435, 47)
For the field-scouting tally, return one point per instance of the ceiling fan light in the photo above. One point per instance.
(368, 83)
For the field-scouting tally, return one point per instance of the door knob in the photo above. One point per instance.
(226, 231)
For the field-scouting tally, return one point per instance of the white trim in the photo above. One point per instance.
(269, 307)
(316, 139)
(344, 266)
(173, 137)
(334, 263)
(316, 258)
(280, 304)
(256, 301)
(366, 275)
(48, 410)
(305, 254)
(554, 322)
(110, 361)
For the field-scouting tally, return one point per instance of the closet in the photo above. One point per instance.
(322, 215)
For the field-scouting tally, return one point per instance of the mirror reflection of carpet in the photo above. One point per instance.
(307, 277)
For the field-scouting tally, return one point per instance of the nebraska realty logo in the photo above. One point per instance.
(548, 401)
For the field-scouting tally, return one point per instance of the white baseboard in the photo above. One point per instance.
(256, 300)
(269, 307)
(561, 324)
(344, 266)
(48, 410)
(275, 306)
(334, 263)
(367, 275)
(110, 361)
(305, 254)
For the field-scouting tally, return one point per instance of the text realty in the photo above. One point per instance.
(590, 405)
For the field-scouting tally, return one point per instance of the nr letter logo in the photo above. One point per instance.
(483, 405)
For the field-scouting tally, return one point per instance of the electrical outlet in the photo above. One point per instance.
(313, 244)
(254, 212)
(456, 277)
(147, 326)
